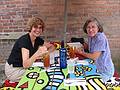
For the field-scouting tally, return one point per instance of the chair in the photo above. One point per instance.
(81, 40)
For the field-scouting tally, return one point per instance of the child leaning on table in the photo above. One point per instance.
(99, 49)
(26, 50)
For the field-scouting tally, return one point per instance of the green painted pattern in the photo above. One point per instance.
(39, 79)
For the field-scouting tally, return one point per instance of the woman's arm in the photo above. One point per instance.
(27, 62)
(93, 55)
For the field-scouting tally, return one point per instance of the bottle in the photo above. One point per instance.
(63, 56)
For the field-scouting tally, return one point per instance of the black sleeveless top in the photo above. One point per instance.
(24, 41)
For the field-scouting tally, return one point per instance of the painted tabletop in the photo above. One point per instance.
(37, 78)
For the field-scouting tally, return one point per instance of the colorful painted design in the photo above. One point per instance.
(7, 88)
(36, 78)
(56, 44)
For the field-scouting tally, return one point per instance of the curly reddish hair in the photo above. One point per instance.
(35, 21)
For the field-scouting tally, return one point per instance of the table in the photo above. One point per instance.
(37, 78)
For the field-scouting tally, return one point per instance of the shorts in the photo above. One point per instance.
(14, 74)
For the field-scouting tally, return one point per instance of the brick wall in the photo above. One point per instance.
(15, 13)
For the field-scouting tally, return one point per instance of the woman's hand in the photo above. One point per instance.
(28, 61)
(50, 47)
(41, 50)
(78, 51)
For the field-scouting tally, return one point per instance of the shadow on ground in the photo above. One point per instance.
(2, 74)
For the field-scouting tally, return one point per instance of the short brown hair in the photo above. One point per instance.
(92, 20)
(35, 21)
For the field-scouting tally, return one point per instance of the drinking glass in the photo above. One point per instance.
(71, 64)
(46, 60)
(71, 52)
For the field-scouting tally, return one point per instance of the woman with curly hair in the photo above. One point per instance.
(26, 50)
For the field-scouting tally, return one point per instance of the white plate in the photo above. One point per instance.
(83, 62)
(75, 82)
(38, 64)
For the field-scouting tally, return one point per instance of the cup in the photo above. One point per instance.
(46, 60)
(53, 55)
(71, 52)
(71, 64)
